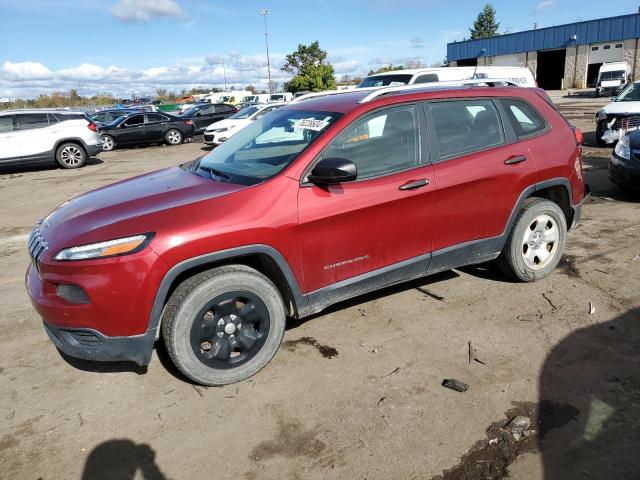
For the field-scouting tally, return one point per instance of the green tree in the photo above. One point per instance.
(486, 24)
(250, 88)
(309, 69)
(387, 68)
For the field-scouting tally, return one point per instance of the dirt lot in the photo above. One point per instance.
(354, 392)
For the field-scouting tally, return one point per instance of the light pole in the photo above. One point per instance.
(224, 71)
(264, 14)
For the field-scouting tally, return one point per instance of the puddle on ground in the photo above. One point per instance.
(325, 350)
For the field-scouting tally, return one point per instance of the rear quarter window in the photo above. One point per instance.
(524, 118)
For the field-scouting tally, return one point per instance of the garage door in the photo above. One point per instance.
(606, 52)
(506, 61)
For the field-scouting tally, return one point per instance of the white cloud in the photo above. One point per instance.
(146, 10)
(24, 71)
(543, 5)
(29, 79)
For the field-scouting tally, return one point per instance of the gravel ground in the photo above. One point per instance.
(355, 391)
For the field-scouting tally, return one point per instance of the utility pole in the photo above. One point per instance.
(224, 72)
(264, 14)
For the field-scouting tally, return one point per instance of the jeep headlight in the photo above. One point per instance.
(622, 148)
(601, 115)
(109, 248)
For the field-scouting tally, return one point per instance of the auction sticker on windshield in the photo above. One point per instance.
(311, 124)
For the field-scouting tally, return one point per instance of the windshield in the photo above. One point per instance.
(250, 98)
(265, 147)
(385, 80)
(246, 112)
(629, 94)
(614, 75)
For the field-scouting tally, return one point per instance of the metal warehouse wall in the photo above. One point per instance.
(594, 31)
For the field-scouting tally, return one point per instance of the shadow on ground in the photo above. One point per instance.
(592, 377)
(25, 168)
(586, 423)
(122, 459)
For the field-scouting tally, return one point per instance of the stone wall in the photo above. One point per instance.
(632, 59)
(575, 68)
(531, 61)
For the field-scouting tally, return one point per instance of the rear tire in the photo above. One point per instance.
(173, 137)
(536, 242)
(108, 143)
(223, 325)
(71, 155)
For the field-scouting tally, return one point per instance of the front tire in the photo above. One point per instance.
(599, 133)
(173, 137)
(536, 242)
(71, 155)
(223, 325)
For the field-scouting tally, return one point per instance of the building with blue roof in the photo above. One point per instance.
(562, 56)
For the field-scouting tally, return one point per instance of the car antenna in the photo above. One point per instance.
(482, 52)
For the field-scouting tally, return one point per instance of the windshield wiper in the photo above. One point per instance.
(217, 173)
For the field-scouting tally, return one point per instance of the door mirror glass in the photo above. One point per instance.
(332, 171)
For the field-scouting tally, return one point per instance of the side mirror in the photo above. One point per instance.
(332, 171)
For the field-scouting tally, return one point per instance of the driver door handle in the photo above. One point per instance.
(415, 184)
(515, 159)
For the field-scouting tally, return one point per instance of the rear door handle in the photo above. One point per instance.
(515, 159)
(414, 184)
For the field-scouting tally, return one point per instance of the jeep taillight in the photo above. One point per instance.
(578, 134)
(188, 122)
(92, 127)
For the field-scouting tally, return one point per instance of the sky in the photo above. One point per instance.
(125, 46)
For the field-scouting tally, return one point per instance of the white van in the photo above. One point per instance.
(612, 78)
(258, 98)
(284, 97)
(520, 75)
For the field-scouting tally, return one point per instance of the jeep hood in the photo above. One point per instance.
(129, 207)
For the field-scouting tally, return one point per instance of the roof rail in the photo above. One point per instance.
(376, 92)
(330, 92)
(426, 87)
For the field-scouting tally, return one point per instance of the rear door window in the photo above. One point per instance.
(383, 142)
(6, 123)
(155, 117)
(28, 121)
(135, 120)
(525, 120)
(465, 126)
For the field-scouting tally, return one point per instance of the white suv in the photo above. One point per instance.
(43, 136)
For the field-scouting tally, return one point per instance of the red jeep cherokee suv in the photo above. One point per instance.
(316, 202)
